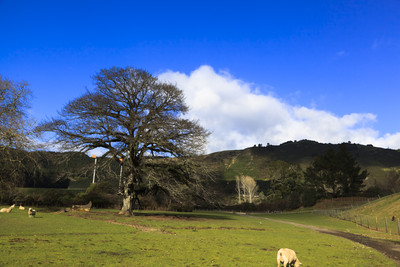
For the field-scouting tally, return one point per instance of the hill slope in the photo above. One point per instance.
(256, 161)
(385, 206)
(262, 163)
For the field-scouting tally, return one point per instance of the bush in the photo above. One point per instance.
(293, 201)
(51, 197)
(101, 194)
(21, 198)
(309, 198)
(7, 193)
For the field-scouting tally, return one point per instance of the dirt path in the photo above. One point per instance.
(388, 248)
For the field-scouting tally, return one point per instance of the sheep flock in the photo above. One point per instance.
(31, 212)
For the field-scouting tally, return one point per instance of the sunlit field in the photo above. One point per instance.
(102, 237)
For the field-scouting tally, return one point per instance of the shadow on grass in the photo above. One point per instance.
(183, 215)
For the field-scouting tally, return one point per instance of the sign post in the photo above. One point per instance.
(120, 174)
(94, 170)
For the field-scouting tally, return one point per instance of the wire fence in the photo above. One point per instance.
(390, 225)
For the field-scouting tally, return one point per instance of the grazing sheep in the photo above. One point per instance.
(21, 208)
(287, 257)
(31, 213)
(8, 210)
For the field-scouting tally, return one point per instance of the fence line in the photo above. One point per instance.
(390, 225)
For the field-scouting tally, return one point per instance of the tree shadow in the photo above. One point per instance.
(183, 215)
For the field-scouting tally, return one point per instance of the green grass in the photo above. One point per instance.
(308, 218)
(385, 206)
(103, 237)
(376, 215)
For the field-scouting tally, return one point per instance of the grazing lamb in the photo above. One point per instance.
(31, 213)
(287, 257)
(21, 207)
(8, 210)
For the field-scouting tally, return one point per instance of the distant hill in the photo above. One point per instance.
(255, 161)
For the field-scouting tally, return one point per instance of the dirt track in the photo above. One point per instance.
(388, 248)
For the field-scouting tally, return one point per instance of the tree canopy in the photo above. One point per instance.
(132, 116)
(335, 173)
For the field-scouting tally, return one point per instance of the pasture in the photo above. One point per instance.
(102, 237)
(333, 223)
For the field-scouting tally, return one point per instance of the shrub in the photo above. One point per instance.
(308, 197)
(21, 197)
(7, 193)
(51, 197)
(101, 194)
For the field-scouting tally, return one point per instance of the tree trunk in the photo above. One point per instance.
(127, 199)
(238, 189)
(127, 205)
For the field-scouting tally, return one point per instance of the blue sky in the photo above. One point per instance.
(252, 71)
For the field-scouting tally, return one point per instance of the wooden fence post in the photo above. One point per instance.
(386, 225)
(398, 226)
(376, 223)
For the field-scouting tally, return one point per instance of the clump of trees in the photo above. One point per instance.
(335, 174)
(287, 184)
(332, 174)
(246, 188)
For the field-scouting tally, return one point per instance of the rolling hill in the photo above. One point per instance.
(257, 161)
(260, 162)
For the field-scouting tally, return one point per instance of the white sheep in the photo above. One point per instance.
(31, 213)
(8, 210)
(287, 257)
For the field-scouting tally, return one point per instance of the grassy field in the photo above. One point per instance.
(102, 237)
(332, 223)
(375, 215)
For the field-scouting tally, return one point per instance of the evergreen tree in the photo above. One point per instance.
(335, 174)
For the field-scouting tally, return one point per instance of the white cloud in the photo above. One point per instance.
(239, 116)
(341, 53)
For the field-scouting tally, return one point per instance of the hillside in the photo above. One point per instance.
(261, 162)
(257, 161)
(58, 169)
(385, 206)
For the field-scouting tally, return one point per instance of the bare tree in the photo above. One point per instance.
(15, 125)
(133, 116)
(239, 189)
(248, 186)
(15, 129)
